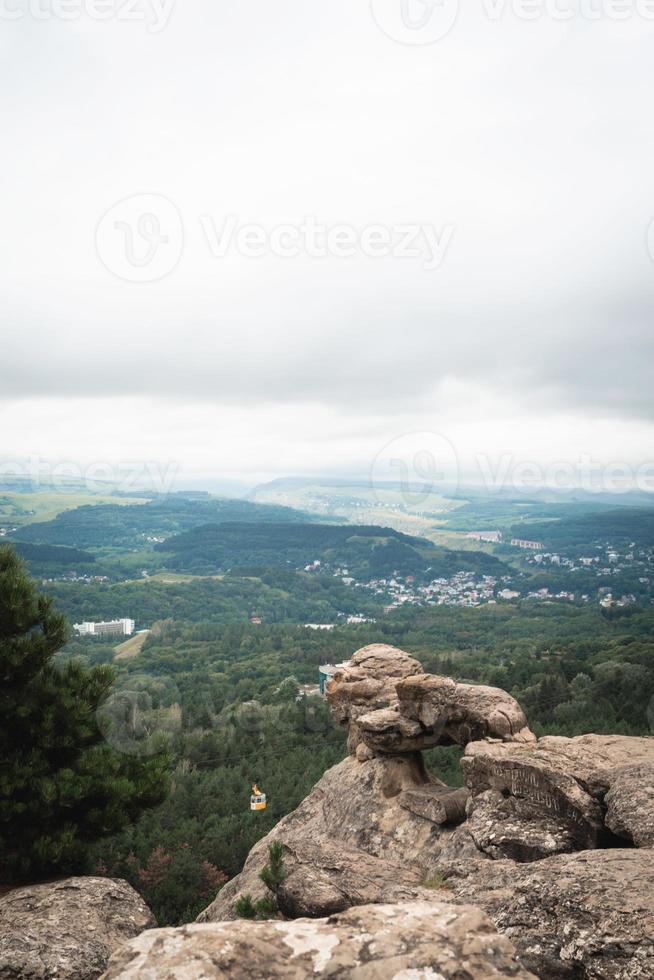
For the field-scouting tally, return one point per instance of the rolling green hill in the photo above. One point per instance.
(116, 526)
(366, 552)
(619, 528)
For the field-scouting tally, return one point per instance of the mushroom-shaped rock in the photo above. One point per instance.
(367, 684)
(462, 713)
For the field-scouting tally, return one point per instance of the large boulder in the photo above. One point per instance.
(583, 916)
(630, 803)
(507, 826)
(411, 941)
(67, 929)
(564, 780)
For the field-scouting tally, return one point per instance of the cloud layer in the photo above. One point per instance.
(532, 141)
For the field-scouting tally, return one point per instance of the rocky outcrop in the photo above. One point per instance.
(359, 837)
(67, 929)
(564, 780)
(540, 836)
(589, 914)
(412, 941)
(630, 803)
(512, 827)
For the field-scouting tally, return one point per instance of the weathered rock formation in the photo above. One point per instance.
(589, 914)
(550, 837)
(630, 803)
(390, 705)
(391, 873)
(566, 781)
(412, 941)
(67, 929)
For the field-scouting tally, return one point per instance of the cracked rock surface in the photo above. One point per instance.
(411, 941)
(67, 929)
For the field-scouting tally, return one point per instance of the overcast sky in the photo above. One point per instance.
(512, 159)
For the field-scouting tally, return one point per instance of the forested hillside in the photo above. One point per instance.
(364, 551)
(131, 525)
(47, 559)
(621, 528)
(274, 595)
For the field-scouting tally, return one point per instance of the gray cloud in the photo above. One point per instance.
(534, 141)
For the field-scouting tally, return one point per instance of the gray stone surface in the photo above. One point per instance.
(411, 941)
(66, 930)
(582, 916)
(630, 803)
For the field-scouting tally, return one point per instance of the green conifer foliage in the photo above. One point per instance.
(61, 785)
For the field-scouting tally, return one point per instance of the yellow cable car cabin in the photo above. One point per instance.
(258, 799)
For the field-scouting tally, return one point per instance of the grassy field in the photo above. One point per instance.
(171, 578)
(132, 647)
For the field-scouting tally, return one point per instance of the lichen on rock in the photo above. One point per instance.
(67, 929)
(409, 941)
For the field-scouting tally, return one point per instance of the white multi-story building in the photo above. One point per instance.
(115, 627)
(492, 537)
